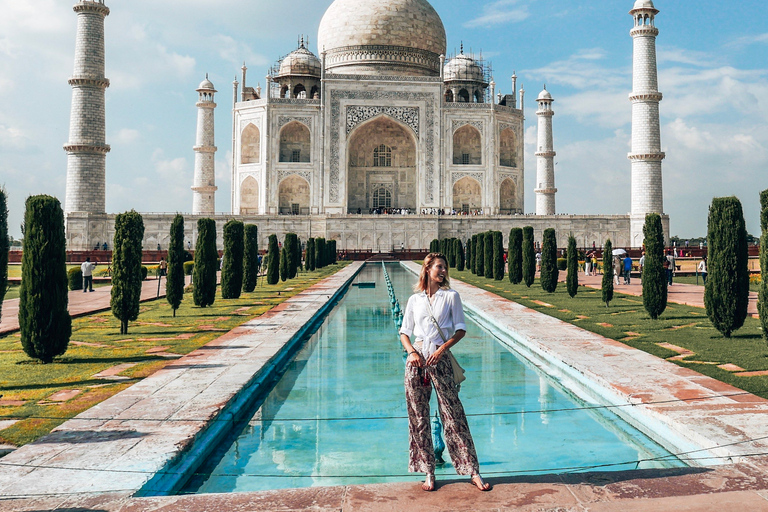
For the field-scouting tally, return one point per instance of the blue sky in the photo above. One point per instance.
(713, 72)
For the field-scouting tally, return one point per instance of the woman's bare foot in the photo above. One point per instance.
(429, 482)
(478, 481)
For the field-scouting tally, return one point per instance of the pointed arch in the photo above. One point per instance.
(467, 146)
(463, 96)
(449, 96)
(507, 148)
(293, 195)
(295, 143)
(507, 196)
(467, 194)
(250, 145)
(249, 196)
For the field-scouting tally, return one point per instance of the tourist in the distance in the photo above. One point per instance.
(702, 268)
(87, 269)
(431, 364)
(627, 269)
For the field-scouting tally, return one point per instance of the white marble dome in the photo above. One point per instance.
(644, 4)
(463, 68)
(206, 85)
(382, 37)
(544, 95)
(300, 62)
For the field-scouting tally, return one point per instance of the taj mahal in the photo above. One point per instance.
(379, 141)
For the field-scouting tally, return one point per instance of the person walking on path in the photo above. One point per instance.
(616, 269)
(627, 268)
(642, 265)
(87, 269)
(163, 267)
(588, 264)
(702, 269)
(435, 316)
(671, 266)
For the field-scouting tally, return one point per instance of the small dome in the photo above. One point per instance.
(300, 62)
(544, 95)
(463, 68)
(206, 85)
(644, 4)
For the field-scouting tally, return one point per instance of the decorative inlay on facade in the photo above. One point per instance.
(244, 175)
(307, 175)
(288, 101)
(382, 54)
(254, 122)
(429, 134)
(409, 116)
(330, 75)
(458, 124)
(284, 120)
(646, 96)
(505, 175)
(456, 176)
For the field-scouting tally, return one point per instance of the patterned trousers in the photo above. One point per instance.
(458, 439)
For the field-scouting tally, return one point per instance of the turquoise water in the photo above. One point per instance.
(338, 415)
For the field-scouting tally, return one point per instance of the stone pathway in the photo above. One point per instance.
(80, 303)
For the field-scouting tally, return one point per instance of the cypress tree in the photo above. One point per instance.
(762, 294)
(284, 262)
(549, 270)
(654, 275)
(498, 255)
(515, 255)
(206, 264)
(320, 253)
(310, 257)
(4, 246)
(289, 244)
(529, 257)
(434, 245)
(726, 294)
(488, 254)
(468, 263)
(44, 321)
(572, 278)
(299, 266)
(458, 251)
(607, 272)
(250, 257)
(126, 268)
(232, 268)
(273, 261)
(451, 255)
(174, 282)
(444, 248)
(332, 250)
(480, 255)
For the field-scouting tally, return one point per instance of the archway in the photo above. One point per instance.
(250, 145)
(298, 90)
(467, 146)
(381, 153)
(463, 96)
(295, 143)
(449, 96)
(507, 192)
(249, 196)
(507, 148)
(293, 196)
(467, 195)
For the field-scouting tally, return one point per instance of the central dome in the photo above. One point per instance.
(382, 37)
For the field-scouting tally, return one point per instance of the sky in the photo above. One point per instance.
(713, 72)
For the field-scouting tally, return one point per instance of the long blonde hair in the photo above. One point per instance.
(423, 282)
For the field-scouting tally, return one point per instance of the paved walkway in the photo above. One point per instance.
(80, 303)
(688, 294)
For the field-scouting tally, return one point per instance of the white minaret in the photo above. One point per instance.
(204, 188)
(646, 155)
(87, 149)
(545, 157)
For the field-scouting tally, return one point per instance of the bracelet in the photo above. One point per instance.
(411, 352)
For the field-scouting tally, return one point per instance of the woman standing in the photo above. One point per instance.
(430, 365)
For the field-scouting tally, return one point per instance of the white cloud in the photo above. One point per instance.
(14, 139)
(583, 70)
(498, 13)
(127, 136)
(172, 170)
(749, 40)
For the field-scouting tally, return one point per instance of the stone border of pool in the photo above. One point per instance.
(739, 486)
(129, 440)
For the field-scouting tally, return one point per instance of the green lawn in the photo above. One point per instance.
(96, 345)
(627, 321)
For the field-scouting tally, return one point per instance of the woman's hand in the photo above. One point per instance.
(435, 356)
(415, 359)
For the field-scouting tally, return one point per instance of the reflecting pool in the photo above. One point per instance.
(338, 415)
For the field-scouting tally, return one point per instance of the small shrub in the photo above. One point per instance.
(562, 264)
(144, 272)
(188, 267)
(75, 278)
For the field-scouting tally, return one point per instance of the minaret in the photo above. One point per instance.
(204, 188)
(646, 155)
(87, 149)
(545, 157)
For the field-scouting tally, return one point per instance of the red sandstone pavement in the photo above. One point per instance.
(688, 294)
(80, 303)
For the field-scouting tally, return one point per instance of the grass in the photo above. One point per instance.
(96, 345)
(627, 321)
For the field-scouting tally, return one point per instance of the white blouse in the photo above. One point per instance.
(448, 312)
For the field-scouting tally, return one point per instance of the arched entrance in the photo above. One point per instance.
(250, 145)
(381, 160)
(295, 143)
(293, 196)
(467, 146)
(507, 148)
(507, 192)
(249, 196)
(467, 195)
